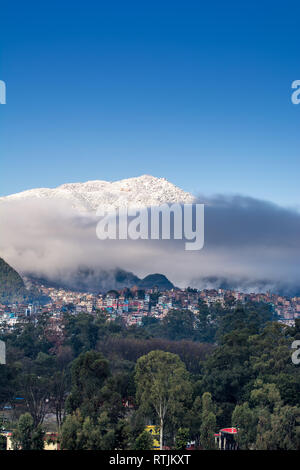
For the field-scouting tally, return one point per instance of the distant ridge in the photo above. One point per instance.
(95, 280)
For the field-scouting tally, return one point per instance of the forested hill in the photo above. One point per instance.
(12, 287)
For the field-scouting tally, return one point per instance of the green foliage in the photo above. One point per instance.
(163, 384)
(30, 339)
(182, 438)
(227, 372)
(278, 425)
(179, 324)
(211, 323)
(96, 419)
(252, 316)
(89, 372)
(271, 360)
(144, 441)
(82, 332)
(71, 432)
(245, 420)
(164, 371)
(191, 353)
(2, 442)
(285, 429)
(27, 436)
(79, 433)
(208, 423)
(7, 383)
(265, 396)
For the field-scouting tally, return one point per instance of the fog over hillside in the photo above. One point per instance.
(249, 244)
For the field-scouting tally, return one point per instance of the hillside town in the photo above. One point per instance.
(131, 305)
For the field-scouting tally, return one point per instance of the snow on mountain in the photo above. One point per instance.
(137, 192)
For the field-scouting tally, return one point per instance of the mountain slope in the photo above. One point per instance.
(12, 287)
(159, 280)
(143, 191)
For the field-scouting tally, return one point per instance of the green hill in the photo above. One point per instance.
(12, 287)
(152, 280)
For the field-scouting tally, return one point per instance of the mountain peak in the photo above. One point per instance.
(141, 191)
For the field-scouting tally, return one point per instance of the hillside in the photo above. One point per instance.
(152, 280)
(12, 287)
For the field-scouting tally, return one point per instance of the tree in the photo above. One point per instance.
(35, 384)
(89, 372)
(7, 385)
(36, 393)
(194, 419)
(122, 434)
(207, 324)
(2, 442)
(182, 438)
(271, 360)
(179, 324)
(27, 436)
(265, 396)
(78, 433)
(96, 419)
(245, 420)
(208, 424)
(226, 371)
(278, 430)
(163, 385)
(60, 383)
(278, 424)
(144, 441)
(70, 432)
(81, 332)
(285, 431)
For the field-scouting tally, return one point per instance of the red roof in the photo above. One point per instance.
(229, 430)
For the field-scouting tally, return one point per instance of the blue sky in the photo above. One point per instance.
(197, 92)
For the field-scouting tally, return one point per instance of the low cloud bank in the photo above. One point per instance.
(250, 244)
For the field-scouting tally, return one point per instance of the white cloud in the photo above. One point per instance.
(246, 241)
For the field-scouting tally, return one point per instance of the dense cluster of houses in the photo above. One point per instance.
(133, 304)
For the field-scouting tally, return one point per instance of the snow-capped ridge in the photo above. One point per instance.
(142, 191)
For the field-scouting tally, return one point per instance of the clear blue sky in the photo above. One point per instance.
(197, 92)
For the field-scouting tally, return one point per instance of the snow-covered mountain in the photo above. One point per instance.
(136, 192)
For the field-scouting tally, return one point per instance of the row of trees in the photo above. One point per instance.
(164, 393)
